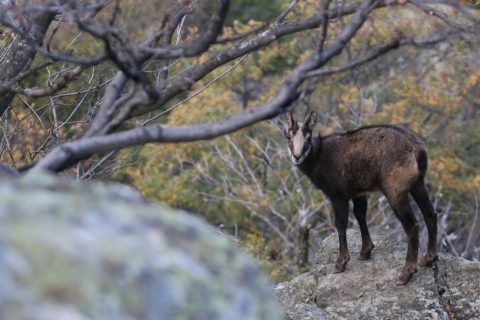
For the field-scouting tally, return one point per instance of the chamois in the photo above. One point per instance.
(349, 165)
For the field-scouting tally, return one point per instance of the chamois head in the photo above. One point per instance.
(299, 136)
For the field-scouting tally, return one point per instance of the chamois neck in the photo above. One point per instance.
(307, 165)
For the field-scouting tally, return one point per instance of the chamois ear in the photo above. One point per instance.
(310, 121)
(290, 121)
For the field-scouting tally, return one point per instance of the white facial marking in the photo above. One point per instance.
(298, 143)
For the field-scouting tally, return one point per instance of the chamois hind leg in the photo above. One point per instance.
(398, 200)
(360, 212)
(340, 206)
(420, 195)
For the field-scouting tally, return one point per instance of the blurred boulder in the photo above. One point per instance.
(75, 251)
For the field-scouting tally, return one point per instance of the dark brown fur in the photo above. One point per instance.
(349, 165)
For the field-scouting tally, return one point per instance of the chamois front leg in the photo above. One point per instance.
(340, 207)
(360, 212)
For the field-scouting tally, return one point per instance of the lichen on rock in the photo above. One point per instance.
(91, 251)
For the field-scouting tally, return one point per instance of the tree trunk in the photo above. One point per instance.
(303, 245)
(17, 53)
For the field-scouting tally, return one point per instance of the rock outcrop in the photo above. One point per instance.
(71, 251)
(367, 290)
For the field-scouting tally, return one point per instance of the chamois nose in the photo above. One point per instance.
(297, 157)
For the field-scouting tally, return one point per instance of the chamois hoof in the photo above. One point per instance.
(405, 276)
(364, 256)
(428, 260)
(339, 268)
(341, 264)
(365, 251)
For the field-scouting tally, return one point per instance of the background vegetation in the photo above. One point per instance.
(244, 183)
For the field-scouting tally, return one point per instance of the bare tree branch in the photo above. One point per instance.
(71, 152)
(144, 80)
(355, 63)
(143, 104)
(196, 46)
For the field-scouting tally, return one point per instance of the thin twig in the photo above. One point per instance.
(197, 92)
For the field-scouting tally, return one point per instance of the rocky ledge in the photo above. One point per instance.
(367, 290)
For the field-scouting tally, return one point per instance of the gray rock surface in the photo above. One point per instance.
(367, 290)
(72, 251)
